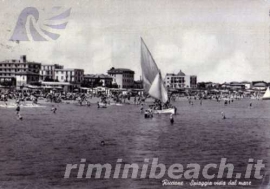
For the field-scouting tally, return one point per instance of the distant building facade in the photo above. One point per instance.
(47, 71)
(247, 84)
(69, 75)
(180, 80)
(124, 78)
(259, 85)
(95, 80)
(19, 72)
(237, 86)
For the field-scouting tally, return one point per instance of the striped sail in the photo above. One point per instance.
(152, 79)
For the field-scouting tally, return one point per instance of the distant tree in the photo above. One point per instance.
(114, 85)
(87, 84)
(201, 85)
(6, 83)
(97, 82)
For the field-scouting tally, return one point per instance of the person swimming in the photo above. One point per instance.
(102, 143)
(54, 109)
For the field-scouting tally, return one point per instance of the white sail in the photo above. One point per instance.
(152, 78)
(148, 65)
(158, 90)
(266, 94)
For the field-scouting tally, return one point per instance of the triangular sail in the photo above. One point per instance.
(152, 78)
(267, 93)
(149, 67)
(157, 89)
(164, 92)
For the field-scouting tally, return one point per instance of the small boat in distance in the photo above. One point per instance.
(152, 80)
(266, 95)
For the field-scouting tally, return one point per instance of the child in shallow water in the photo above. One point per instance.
(18, 110)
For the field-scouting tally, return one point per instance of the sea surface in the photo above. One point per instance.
(35, 151)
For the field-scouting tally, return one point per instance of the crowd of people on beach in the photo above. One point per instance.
(105, 100)
(17, 99)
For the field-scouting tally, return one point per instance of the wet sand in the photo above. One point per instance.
(34, 152)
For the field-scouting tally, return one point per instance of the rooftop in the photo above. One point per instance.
(101, 76)
(180, 73)
(120, 70)
(260, 84)
(51, 65)
(18, 61)
(69, 69)
(23, 59)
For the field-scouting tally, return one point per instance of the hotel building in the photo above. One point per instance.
(180, 80)
(124, 78)
(69, 75)
(47, 71)
(94, 80)
(19, 72)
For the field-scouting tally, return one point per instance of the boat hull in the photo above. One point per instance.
(102, 105)
(266, 98)
(165, 111)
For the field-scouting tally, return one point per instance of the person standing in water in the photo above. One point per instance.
(18, 110)
(5, 98)
(175, 110)
(223, 115)
(171, 119)
(142, 107)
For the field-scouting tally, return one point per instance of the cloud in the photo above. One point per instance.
(198, 47)
(216, 41)
(235, 68)
(189, 51)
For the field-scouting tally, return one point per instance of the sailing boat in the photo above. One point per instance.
(266, 95)
(152, 79)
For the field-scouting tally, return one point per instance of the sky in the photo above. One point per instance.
(216, 40)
